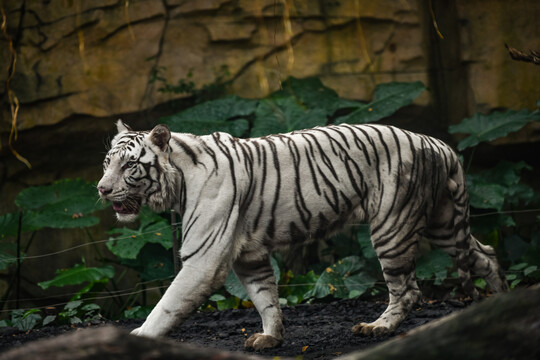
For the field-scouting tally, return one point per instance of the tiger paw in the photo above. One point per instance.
(261, 341)
(370, 329)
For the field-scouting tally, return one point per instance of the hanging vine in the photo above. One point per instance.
(12, 97)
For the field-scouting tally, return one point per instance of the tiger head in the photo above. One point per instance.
(137, 171)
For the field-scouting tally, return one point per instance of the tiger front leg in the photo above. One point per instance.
(257, 275)
(189, 289)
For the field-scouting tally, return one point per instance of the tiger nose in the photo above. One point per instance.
(103, 190)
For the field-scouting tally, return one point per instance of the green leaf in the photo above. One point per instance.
(78, 274)
(293, 300)
(231, 302)
(484, 195)
(8, 256)
(389, 98)
(48, 319)
(482, 128)
(282, 115)
(434, 264)
(333, 280)
(64, 204)
(5, 323)
(518, 267)
(299, 285)
(137, 312)
(313, 94)
(9, 224)
(28, 321)
(364, 238)
(529, 270)
(480, 283)
(228, 115)
(491, 189)
(358, 284)
(127, 243)
(216, 297)
(157, 263)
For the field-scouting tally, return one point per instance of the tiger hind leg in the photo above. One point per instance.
(257, 276)
(483, 261)
(398, 265)
(449, 230)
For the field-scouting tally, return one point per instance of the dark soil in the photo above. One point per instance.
(316, 331)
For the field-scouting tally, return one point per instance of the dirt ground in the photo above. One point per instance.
(315, 331)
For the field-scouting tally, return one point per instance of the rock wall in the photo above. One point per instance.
(97, 57)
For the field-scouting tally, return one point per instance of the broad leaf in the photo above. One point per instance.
(389, 98)
(282, 115)
(299, 285)
(64, 204)
(79, 274)
(490, 189)
(485, 195)
(8, 253)
(9, 224)
(228, 115)
(152, 263)
(434, 264)
(358, 284)
(482, 128)
(334, 280)
(312, 93)
(127, 243)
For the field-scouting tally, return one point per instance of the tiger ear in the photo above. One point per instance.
(122, 127)
(160, 136)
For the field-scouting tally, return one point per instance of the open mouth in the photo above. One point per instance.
(128, 206)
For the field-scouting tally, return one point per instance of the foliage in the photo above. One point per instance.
(279, 115)
(499, 186)
(495, 192)
(8, 255)
(80, 274)
(483, 128)
(434, 265)
(228, 115)
(303, 103)
(389, 98)
(25, 320)
(137, 312)
(146, 249)
(74, 312)
(64, 204)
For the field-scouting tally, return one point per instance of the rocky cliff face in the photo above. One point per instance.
(97, 57)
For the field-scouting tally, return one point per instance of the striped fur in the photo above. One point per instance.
(240, 199)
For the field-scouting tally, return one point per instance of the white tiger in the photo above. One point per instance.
(240, 199)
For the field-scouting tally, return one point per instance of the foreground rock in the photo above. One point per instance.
(502, 327)
(113, 343)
